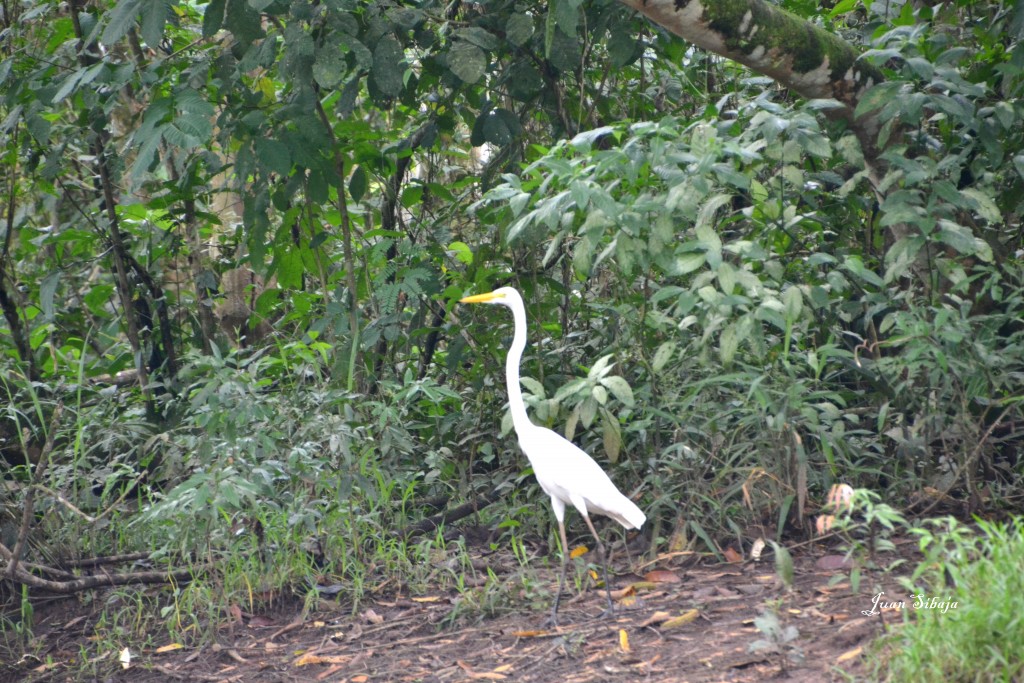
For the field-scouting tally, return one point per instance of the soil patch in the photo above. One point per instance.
(698, 624)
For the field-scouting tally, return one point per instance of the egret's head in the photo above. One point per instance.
(505, 296)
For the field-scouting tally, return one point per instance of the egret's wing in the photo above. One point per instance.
(567, 473)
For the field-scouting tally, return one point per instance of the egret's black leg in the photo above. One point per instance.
(604, 566)
(561, 578)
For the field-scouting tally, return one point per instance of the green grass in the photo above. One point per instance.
(980, 638)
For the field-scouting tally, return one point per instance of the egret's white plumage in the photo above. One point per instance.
(565, 472)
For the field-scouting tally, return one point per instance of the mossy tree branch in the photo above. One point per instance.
(801, 56)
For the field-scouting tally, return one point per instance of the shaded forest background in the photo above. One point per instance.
(234, 234)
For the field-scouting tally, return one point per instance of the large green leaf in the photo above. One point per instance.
(519, 29)
(388, 67)
(120, 19)
(467, 61)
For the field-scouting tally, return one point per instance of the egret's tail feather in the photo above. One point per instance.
(627, 514)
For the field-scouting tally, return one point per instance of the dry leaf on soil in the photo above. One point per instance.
(683, 619)
(662, 576)
(481, 675)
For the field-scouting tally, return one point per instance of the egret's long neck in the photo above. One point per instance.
(515, 355)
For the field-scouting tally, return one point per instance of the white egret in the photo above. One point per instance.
(563, 470)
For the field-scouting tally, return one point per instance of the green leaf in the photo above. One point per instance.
(567, 16)
(274, 155)
(623, 47)
(519, 29)
(119, 20)
(571, 422)
(663, 355)
(687, 263)
(793, 299)
(242, 20)
(467, 61)
(565, 52)
(388, 67)
(289, 269)
(524, 81)
(601, 367)
(501, 127)
(188, 131)
(573, 387)
(213, 17)
(984, 204)
(462, 252)
(612, 436)
(728, 343)
(358, 183)
(877, 97)
(154, 19)
(620, 389)
(854, 265)
(588, 411)
(96, 299)
(47, 289)
(706, 217)
(726, 278)
(533, 386)
(482, 38)
(329, 67)
(960, 238)
(842, 7)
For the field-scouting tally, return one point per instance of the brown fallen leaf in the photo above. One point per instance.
(641, 586)
(427, 598)
(362, 678)
(656, 618)
(373, 617)
(662, 576)
(848, 655)
(683, 619)
(624, 592)
(310, 658)
(481, 675)
(530, 634)
(169, 648)
(328, 672)
(731, 556)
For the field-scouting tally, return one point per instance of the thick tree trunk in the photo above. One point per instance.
(801, 56)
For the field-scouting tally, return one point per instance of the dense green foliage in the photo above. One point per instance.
(972, 631)
(235, 233)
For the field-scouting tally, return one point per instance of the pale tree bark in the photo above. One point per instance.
(799, 55)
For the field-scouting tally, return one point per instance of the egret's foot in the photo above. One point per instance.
(609, 611)
(550, 622)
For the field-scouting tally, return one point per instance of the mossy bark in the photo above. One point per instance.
(798, 54)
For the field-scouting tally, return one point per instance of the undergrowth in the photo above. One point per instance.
(967, 620)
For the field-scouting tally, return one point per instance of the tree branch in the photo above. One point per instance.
(29, 508)
(799, 55)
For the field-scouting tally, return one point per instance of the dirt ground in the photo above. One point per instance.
(691, 623)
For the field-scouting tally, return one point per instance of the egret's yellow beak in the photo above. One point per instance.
(481, 298)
